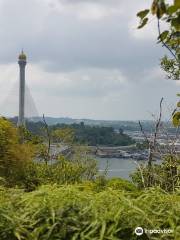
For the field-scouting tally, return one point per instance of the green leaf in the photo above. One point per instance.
(143, 23)
(178, 104)
(17, 235)
(154, 7)
(158, 8)
(172, 9)
(163, 35)
(162, 8)
(176, 119)
(176, 23)
(143, 14)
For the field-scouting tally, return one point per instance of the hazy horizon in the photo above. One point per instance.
(89, 119)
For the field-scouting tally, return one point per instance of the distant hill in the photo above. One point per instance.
(125, 125)
(148, 125)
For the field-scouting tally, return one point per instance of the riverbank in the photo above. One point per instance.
(126, 152)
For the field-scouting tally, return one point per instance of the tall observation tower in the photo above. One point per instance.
(22, 65)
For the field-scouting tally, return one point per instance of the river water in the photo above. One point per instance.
(117, 167)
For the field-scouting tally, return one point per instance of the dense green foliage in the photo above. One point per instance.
(35, 174)
(75, 212)
(84, 134)
(24, 165)
(100, 136)
(14, 157)
(165, 175)
(68, 200)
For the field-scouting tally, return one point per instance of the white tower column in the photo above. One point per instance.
(22, 65)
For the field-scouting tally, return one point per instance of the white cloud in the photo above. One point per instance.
(91, 93)
(84, 10)
(89, 82)
(85, 58)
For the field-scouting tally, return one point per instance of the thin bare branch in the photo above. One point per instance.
(158, 123)
(48, 135)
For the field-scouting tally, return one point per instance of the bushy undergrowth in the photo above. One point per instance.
(14, 157)
(35, 174)
(20, 164)
(67, 200)
(75, 212)
(165, 175)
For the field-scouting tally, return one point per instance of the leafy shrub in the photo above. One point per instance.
(62, 172)
(13, 156)
(121, 184)
(68, 212)
(18, 166)
(165, 175)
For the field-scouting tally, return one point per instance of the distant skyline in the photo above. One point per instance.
(86, 59)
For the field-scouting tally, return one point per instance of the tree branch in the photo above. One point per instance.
(164, 44)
